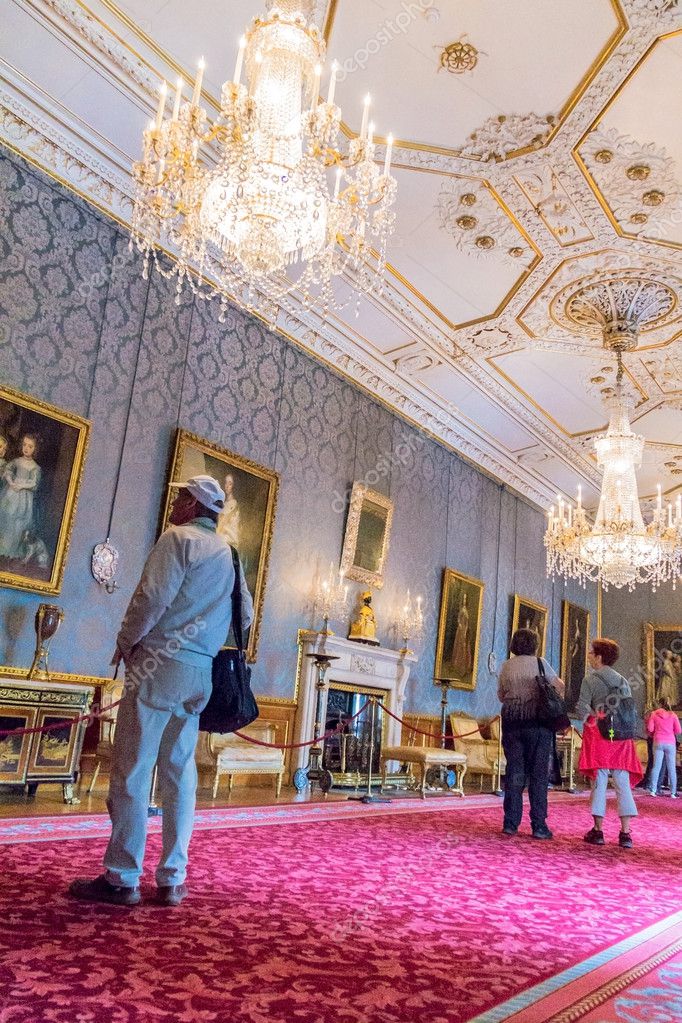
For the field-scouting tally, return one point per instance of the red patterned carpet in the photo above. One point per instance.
(385, 919)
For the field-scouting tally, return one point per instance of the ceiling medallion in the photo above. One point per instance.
(274, 191)
(615, 308)
(618, 549)
(459, 57)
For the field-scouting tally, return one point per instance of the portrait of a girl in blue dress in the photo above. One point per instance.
(18, 485)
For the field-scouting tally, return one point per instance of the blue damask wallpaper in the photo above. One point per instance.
(79, 327)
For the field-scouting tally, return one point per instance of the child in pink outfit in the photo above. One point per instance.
(664, 725)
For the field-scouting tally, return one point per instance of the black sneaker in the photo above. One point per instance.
(625, 840)
(509, 829)
(542, 831)
(100, 890)
(595, 836)
(172, 894)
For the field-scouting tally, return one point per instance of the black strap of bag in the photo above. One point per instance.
(232, 705)
(551, 707)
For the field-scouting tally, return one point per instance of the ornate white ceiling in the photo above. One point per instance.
(539, 155)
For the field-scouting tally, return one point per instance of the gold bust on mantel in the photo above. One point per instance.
(363, 629)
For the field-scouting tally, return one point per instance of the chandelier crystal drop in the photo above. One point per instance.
(618, 549)
(262, 202)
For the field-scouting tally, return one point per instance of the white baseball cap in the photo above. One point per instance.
(206, 490)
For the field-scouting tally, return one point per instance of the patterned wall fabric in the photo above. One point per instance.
(80, 327)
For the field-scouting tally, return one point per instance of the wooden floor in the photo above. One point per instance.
(48, 800)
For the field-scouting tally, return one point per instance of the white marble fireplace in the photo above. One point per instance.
(358, 665)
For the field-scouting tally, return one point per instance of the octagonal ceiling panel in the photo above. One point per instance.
(437, 251)
(632, 157)
(386, 47)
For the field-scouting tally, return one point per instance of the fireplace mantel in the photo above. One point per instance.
(359, 664)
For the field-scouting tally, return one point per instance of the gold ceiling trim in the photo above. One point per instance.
(521, 280)
(574, 259)
(547, 415)
(574, 98)
(584, 170)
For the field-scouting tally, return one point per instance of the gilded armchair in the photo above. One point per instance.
(481, 747)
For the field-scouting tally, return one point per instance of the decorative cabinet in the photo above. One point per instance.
(52, 756)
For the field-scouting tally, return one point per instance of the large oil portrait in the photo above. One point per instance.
(368, 531)
(248, 519)
(529, 615)
(42, 451)
(459, 629)
(575, 643)
(663, 664)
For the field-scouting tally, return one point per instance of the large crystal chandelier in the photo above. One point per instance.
(618, 549)
(264, 189)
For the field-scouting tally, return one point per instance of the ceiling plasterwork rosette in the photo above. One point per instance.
(504, 134)
(478, 225)
(638, 181)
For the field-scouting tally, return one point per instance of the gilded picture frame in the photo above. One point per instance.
(663, 664)
(459, 629)
(527, 614)
(575, 645)
(42, 455)
(367, 536)
(249, 517)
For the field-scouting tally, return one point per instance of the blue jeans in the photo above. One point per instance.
(664, 751)
(157, 724)
(528, 749)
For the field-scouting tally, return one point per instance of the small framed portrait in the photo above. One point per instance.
(663, 664)
(42, 452)
(529, 615)
(14, 749)
(575, 643)
(459, 629)
(368, 531)
(249, 516)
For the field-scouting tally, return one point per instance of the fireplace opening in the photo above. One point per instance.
(346, 753)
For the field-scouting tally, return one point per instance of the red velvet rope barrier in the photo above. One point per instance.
(98, 713)
(300, 745)
(434, 735)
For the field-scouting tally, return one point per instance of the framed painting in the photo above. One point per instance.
(529, 615)
(42, 452)
(14, 749)
(663, 664)
(575, 643)
(53, 752)
(248, 519)
(368, 531)
(459, 629)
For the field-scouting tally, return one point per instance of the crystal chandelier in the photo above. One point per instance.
(618, 549)
(264, 189)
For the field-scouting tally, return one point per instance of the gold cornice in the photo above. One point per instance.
(588, 77)
(582, 166)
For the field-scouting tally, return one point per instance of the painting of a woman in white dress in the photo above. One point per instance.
(459, 629)
(42, 450)
(20, 479)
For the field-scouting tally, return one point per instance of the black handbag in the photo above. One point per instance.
(231, 705)
(618, 720)
(551, 709)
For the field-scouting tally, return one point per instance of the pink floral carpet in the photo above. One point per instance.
(387, 919)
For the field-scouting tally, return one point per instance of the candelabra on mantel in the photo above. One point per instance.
(410, 622)
(330, 598)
